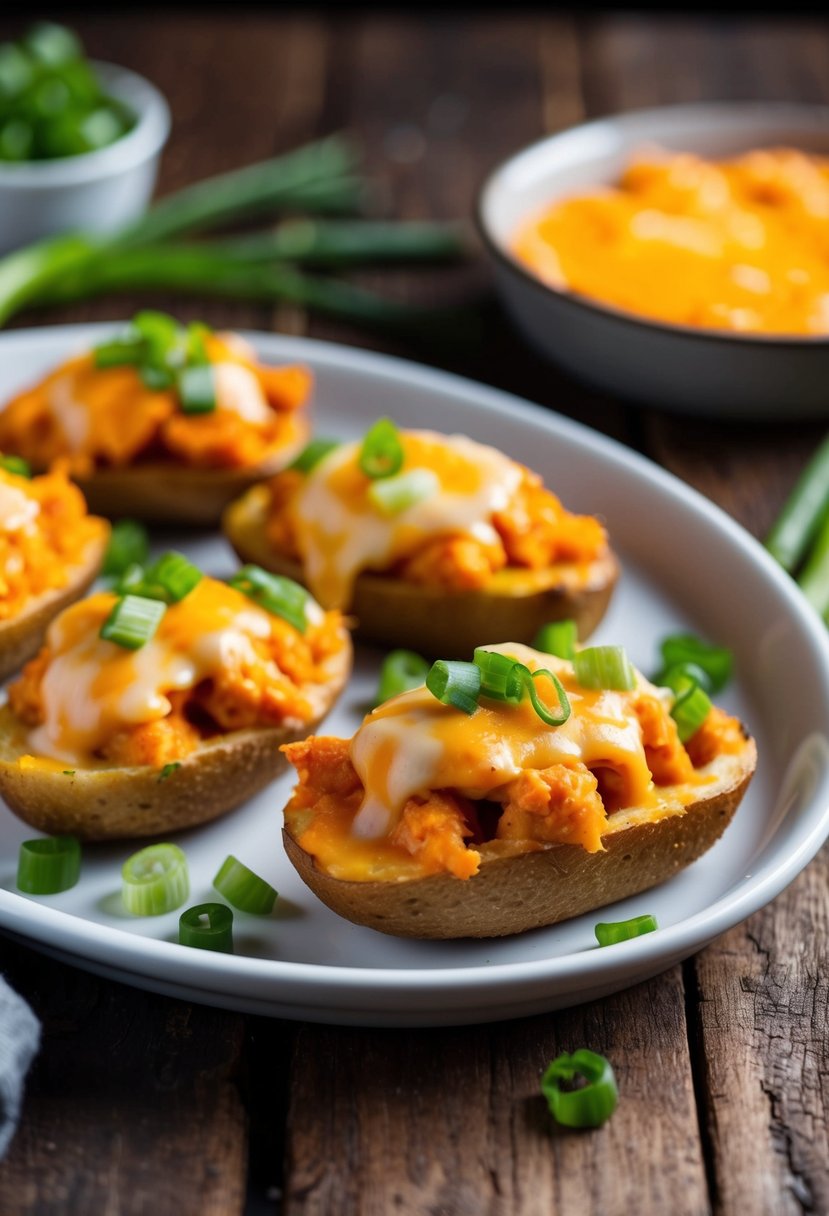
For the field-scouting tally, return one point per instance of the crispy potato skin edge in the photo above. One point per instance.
(430, 620)
(22, 638)
(116, 803)
(512, 895)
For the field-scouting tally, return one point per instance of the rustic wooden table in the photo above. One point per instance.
(139, 1103)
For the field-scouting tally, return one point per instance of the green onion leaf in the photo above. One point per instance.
(455, 683)
(52, 44)
(382, 452)
(175, 575)
(48, 864)
(558, 638)
(393, 495)
(799, 522)
(610, 932)
(592, 1104)
(692, 704)
(401, 670)
(276, 594)
(119, 352)
(168, 770)
(197, 389)
(133, 621)
(244, 889)
(16, 465)
(604, 667)
(132, 580)
(155, 880)
(315, 452)
(128, 547)
(502, 678)
(155, 377)
(207, 927)
(715, 662)
(546, 715)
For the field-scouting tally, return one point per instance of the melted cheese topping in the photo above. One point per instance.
(414, 744)
(239, 392)
(18, 511)
(340, 533)
(93, 688)
(739, 245)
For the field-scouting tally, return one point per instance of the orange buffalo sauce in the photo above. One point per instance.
(216, 663)
(99, 418)
(739, 245)
(424, 788)
(45, 534)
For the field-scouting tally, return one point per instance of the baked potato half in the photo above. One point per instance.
(465, 828)
(173, 733)
(499, 558)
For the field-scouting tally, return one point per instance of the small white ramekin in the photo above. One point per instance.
(96, 191)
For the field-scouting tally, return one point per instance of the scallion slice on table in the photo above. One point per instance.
(558, 638)
(155, 880)
(401, 670)
(244, 889)
(276, 594)
(207, 927)
(313, 454)
(589, 1105)
(381, 454)
(609, 932)
(455, 683)
(797, 525)
(604, 667)
(393, 495)
(133, 621)
(48, 864)
(128, 547)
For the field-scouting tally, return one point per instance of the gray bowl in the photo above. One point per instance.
(672, 367)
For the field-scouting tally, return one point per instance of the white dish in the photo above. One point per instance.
(672, 367)
(685, 565)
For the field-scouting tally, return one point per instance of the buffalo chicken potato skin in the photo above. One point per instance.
(172, 734)
(491, 553)
(434, 824)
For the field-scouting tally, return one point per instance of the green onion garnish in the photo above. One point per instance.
(382, 452)
(197, 389)
(16, 465)
(133, 621)
(610, 932)
(692, 704)
(401, 670)
(276, 594)
(501, 676)
(592, 1104)
(207, 927)
(244, 889)
(455, 683)
(546, 715)
(128, 547)
(174, 575)
(604, 667)
(714, 662)
(168, 770)
(558, 638)
(166, 355)
(311, 455)
(393, 495)
(48, 865)
(155, 880)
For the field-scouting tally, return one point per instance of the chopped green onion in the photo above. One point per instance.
(592, 1104)
(244, 889)
(313, 453)
(156, 378)
(133, 621)
(382, 452)
(604, 667)
(540, 708)
(168, 770)
(16, 465)
(692, 704)
(502, 678)
(197, 389)
(609, 932)
(175, 575)
(207, 927)
(393, 495)
(276, 594)
(132, 580)
(48, 865)
(455, 683)
(799, 521)
(155, 880)
(714, 662)
(558, 638)
(119, 352)
(128, 547)
(401, 670)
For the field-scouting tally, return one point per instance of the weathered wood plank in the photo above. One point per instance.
(452, 1121)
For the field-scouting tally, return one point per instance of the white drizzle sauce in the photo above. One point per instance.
(17, 510)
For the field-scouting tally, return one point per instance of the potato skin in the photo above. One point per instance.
(513, 894)
(114, 803)
(22, 637)
(434, 621)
